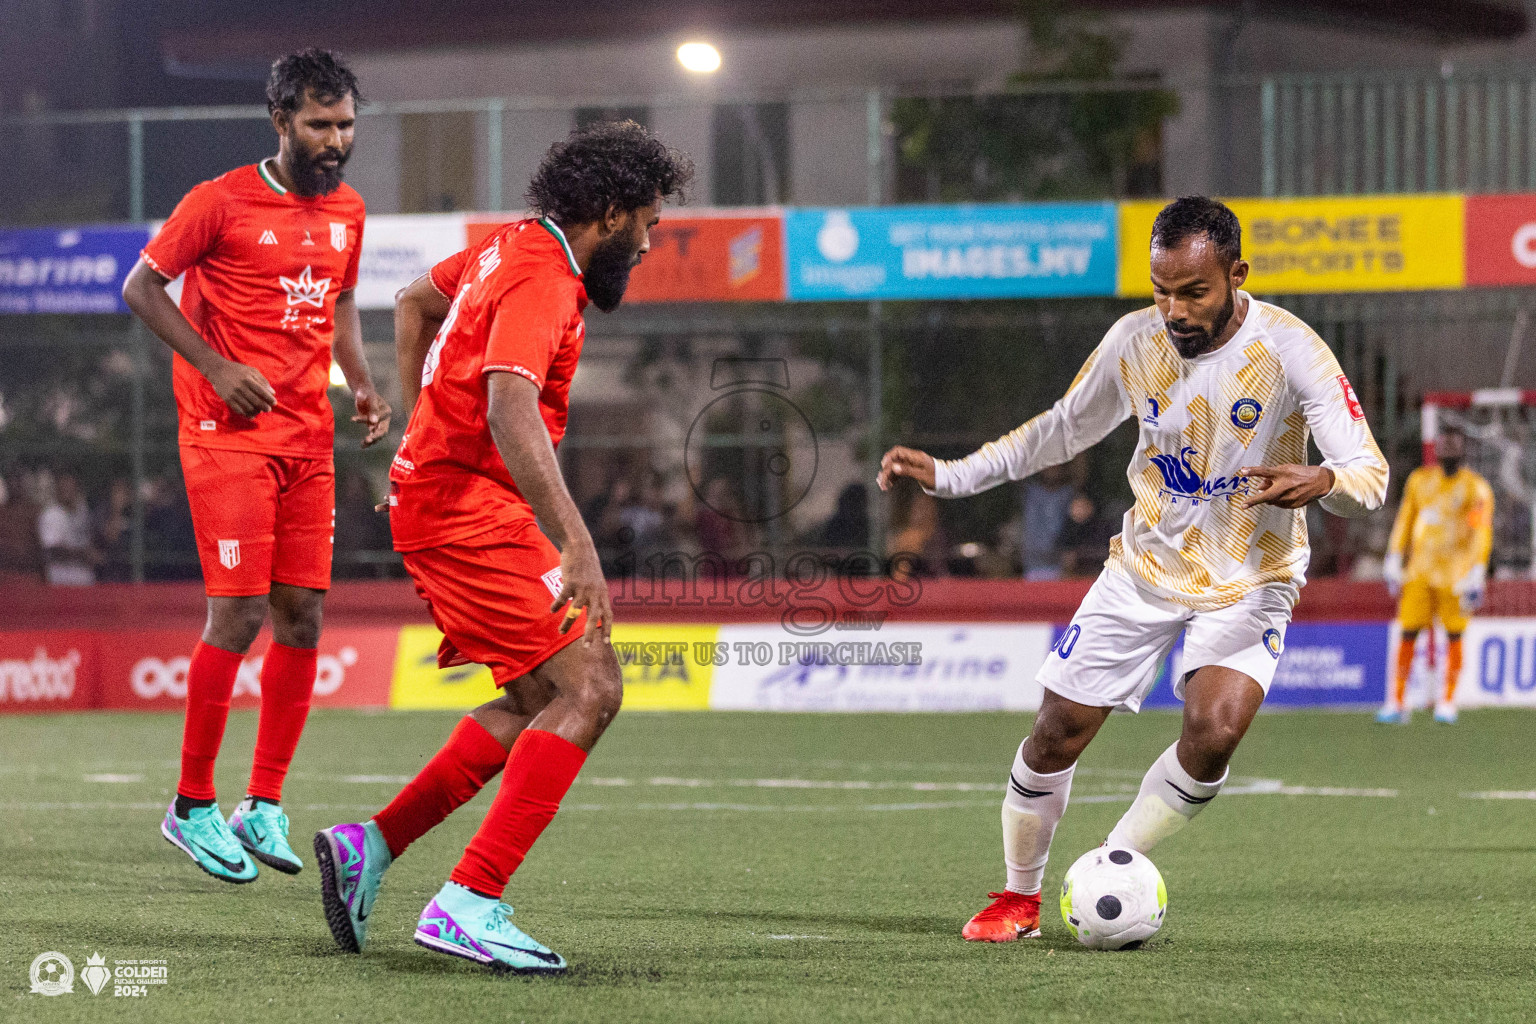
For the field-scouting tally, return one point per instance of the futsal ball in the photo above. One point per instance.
(1113, 898)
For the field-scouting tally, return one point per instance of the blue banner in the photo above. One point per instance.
(67, 270)
(951, 252)
(1324, 664)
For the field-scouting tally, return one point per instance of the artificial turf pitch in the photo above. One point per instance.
(774, 867)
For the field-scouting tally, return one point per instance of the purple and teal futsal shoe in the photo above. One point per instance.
(352, 860)
(463, 924)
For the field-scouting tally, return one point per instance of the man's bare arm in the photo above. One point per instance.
(347, 350)
(419, 312)
(242, 387)
(523, 441)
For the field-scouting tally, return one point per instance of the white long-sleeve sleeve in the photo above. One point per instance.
(1337, 422)
(1093, 406)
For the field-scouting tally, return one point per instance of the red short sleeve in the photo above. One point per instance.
(445, 275)
(527, 328)
(186, 237)
(349, 279)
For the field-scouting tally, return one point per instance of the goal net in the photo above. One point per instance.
(1500, 427)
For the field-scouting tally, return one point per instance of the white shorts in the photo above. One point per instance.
(1111, 653)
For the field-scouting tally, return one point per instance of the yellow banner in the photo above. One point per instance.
(662, 668)
(1352, 244)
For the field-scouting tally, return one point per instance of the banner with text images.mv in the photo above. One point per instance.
(951, 252)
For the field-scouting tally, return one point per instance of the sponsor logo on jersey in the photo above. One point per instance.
(1350, 401)
(1272, 642)
(1246, 413)
(305, 290)
(338, 236)
(1181, 481)
(208, 425)
(229, 553)
(1150, 419)
(307, 240)
(489, 260)
(268, 237)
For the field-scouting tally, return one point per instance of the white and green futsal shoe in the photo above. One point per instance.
(203, 836)
(262, 828)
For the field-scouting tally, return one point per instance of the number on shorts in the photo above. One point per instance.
(1068, 640)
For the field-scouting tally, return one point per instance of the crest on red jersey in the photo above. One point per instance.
(229, 553)
(338, 236)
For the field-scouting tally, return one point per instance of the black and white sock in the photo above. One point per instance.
(1032, 808)
(1169, 797)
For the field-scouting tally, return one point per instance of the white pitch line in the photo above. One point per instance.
(111, 777)
(1502, 794)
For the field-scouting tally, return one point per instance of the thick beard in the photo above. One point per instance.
(1198, 344)
(309, 178)
(1450, 466)
(607, 273)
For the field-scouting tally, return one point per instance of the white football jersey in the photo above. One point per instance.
(1252, 402)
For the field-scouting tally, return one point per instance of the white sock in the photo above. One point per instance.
(1032, 808)
(1169, 797)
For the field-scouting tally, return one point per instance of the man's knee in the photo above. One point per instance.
(1213, 736)
(297, 615)
(233, 622)
(600, 690)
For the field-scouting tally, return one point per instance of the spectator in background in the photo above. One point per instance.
(919, 540)
(114, 532)
(20, 552)
(848, 526)
(64, 531)
(170, 541)
(646, 518)
(359, 529)
(1047, 498)
(717, 522)
(1084, 538)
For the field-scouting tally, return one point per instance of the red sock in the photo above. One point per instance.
(471, 758)
(540, 769)
(287, 684)
(210, 681)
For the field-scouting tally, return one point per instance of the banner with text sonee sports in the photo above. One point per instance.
(1353, 244)
(951, 252)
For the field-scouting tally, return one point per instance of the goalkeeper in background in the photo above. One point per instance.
(1437, 563)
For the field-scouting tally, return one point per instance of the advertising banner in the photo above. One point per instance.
(1501, 240)
(951, 252)
(67, 270)
(1324, 664)
(900, 667)
(146, 670)
(1351, 244)
(712, 257)
(665, 668)
(1500, 663)
(399, 248)
(55, 670)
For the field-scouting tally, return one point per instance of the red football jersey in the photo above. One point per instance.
(263, 268)
(517, 303)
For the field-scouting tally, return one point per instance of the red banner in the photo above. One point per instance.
(703, 257)
(1501, 240)
(147, 670)
(55, 670)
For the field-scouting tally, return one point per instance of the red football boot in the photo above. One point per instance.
(1009, 917)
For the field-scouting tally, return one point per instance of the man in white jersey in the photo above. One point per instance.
(1227, 390)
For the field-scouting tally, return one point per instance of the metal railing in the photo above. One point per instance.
(1360, 133)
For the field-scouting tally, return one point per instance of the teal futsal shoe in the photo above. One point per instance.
(460, 923)
(203, 836)
(262, 828)
(352, 859)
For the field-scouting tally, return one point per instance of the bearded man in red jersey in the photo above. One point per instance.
(491, 339)
(270, 255)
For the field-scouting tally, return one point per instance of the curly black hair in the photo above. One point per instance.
(310, 71)
(611, 163)
(1193, 215)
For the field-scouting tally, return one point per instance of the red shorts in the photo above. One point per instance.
(260, 519)
(490, 595)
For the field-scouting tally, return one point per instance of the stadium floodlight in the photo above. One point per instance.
(700, 58)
